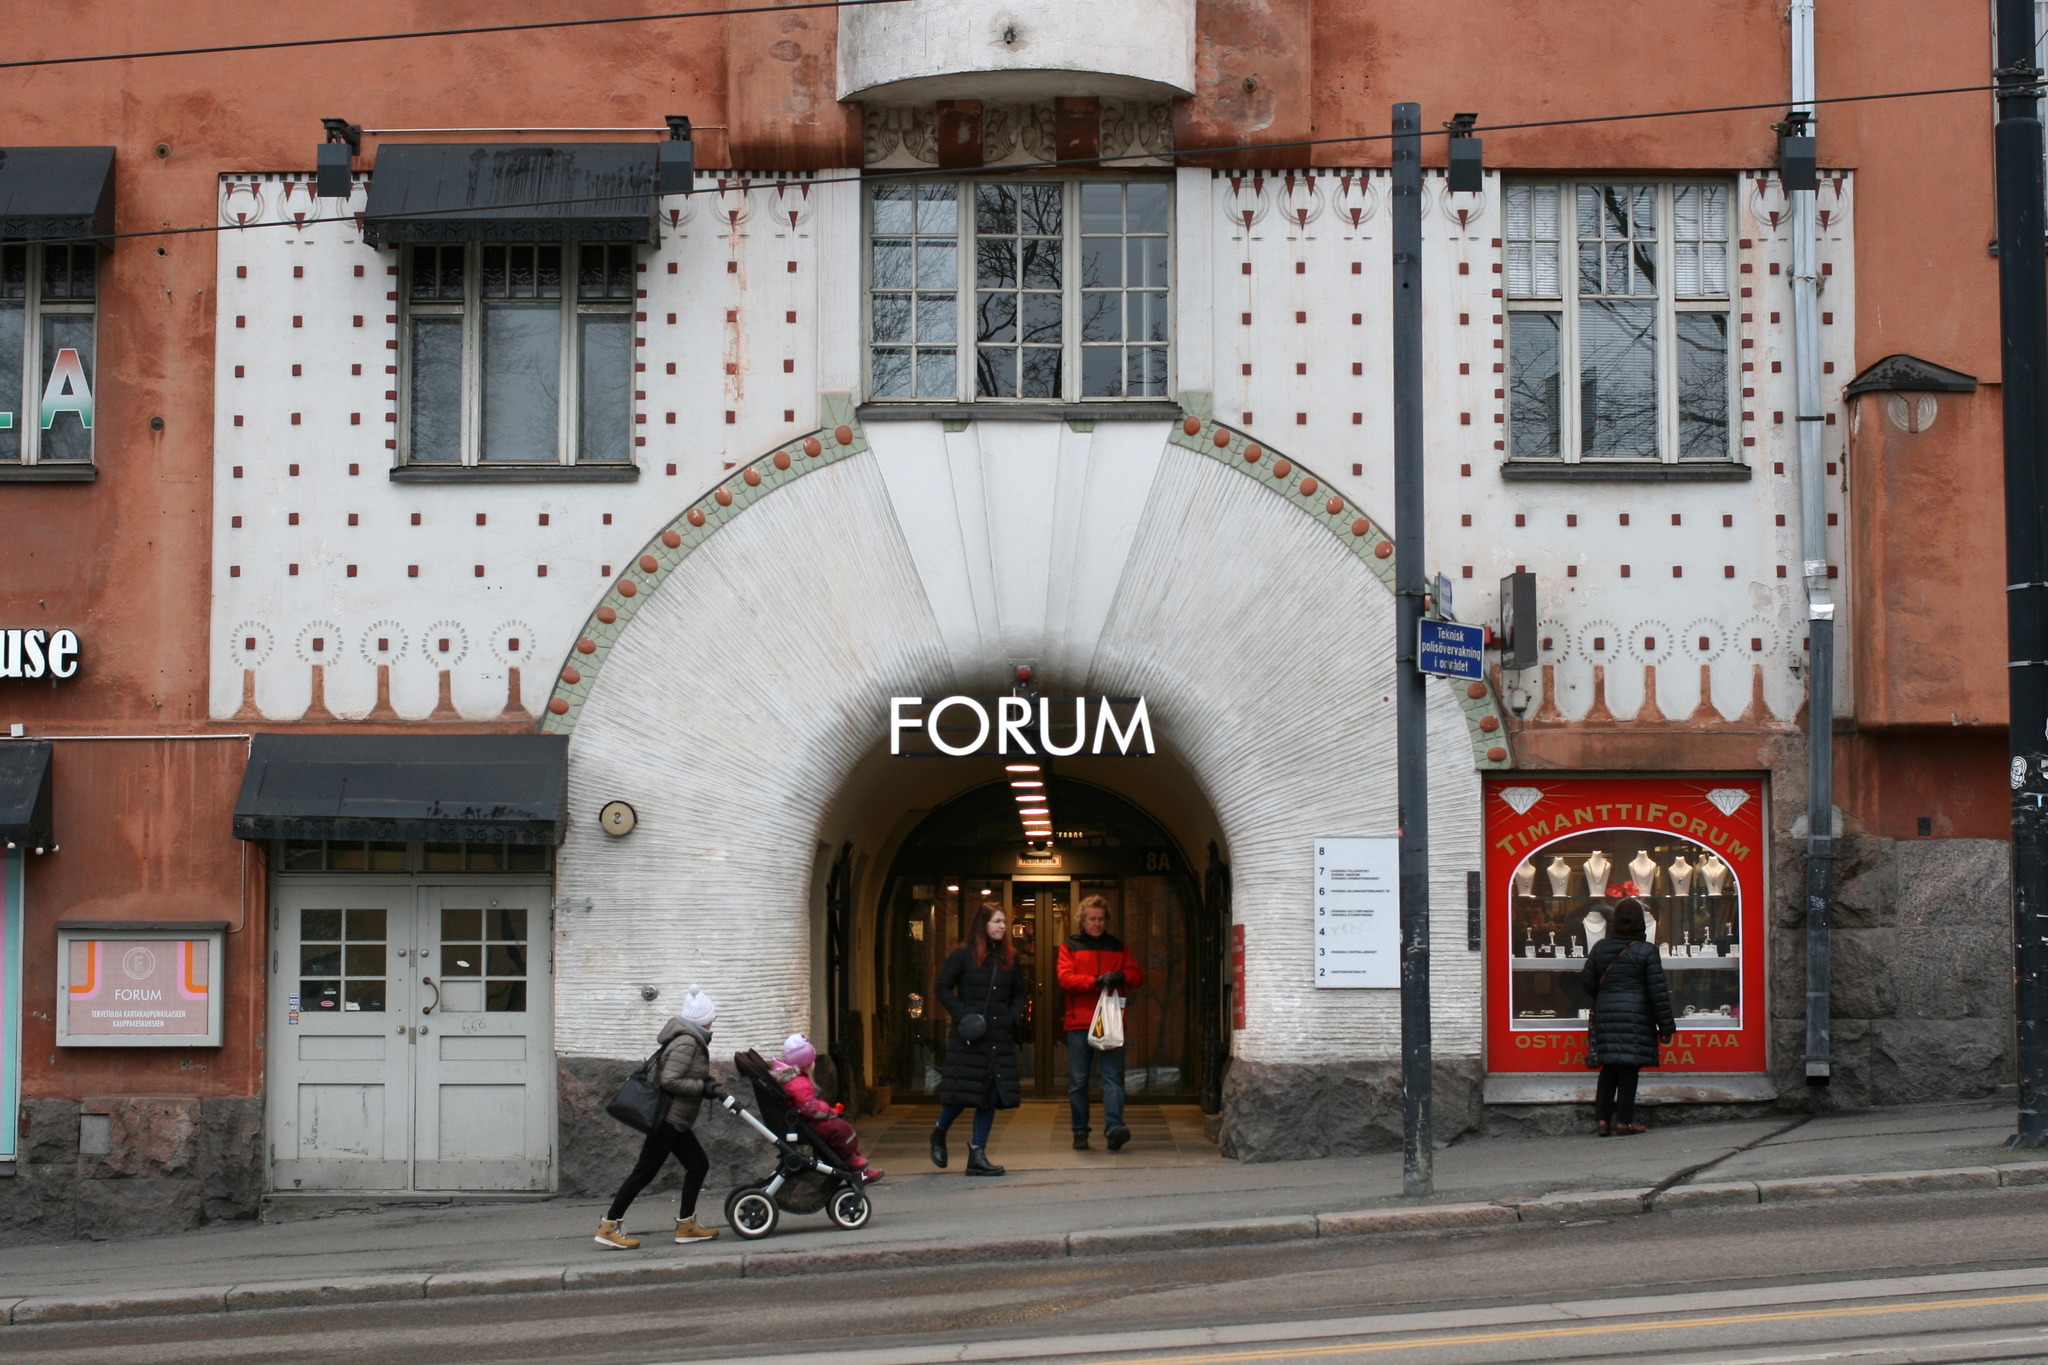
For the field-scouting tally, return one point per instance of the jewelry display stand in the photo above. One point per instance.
(1680, 873)
(1560, 873)
(1525, 878)
(1596, 867)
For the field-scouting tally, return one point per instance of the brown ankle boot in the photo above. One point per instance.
(611, 1238)
(690, 1230)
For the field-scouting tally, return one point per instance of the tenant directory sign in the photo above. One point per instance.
(1358, 912)
(138, 987)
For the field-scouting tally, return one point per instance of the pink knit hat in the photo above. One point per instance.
(797, 1051)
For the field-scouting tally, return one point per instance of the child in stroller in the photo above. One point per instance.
(792, 1071)
(809, 1175)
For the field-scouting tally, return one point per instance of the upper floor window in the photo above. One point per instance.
(1019, 290)
(1623, 288)
(518, 353)
(47, 323)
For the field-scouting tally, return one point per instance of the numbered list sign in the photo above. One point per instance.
(1358, 912)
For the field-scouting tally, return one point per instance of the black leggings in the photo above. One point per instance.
(662, 1143)
(1615, 1097)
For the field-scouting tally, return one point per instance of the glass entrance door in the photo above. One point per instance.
(1039, 912)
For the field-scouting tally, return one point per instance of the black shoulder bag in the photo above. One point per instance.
(641, 1103)
(974, 1027)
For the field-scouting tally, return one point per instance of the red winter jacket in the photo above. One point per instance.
(1082, 959)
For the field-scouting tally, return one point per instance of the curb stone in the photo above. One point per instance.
(1547, 1209)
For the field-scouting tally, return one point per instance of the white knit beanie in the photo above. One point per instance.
(697, 1008)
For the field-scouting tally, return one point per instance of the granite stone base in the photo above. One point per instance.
(1287, 1111)
(171, 1164)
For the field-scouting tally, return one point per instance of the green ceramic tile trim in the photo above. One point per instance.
(1230, 454)
(835, 410)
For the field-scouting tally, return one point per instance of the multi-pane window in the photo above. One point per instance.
(1623, 288)
(47, 321)
(1019, 289)
(519, 353)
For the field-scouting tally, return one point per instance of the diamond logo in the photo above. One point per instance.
(1521, 798)
(1728, 799)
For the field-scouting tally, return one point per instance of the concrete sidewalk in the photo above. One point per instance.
(923, 1216)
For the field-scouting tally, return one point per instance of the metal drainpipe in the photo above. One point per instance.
(1820, 605)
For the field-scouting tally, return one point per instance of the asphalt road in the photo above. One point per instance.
(1958, 1277)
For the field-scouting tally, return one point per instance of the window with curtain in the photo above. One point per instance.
(48, 323)
(1019, 290)
(518, 353)
(1618, 321)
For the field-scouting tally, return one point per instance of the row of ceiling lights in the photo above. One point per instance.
(1028, 781)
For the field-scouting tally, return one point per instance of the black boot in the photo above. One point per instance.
(979, 1164)
(939, 1148)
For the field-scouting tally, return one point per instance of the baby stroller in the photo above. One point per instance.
(808, 1173)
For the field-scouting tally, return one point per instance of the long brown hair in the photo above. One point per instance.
(977, 936)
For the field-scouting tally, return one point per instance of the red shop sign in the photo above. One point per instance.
(1561, 851)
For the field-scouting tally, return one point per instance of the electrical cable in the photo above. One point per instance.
(1058, 164)
(443, 32)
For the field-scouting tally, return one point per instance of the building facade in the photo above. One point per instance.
(506, 584)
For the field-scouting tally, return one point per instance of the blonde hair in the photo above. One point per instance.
(1081, 910)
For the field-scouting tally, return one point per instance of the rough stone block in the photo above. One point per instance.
(1924, 1061)
(153, 1137)
(1278, 1111)
(231, 1157)
(1867, 1186)
(1191, 1237)
(1707, 1196)
(461, 1284)
(1954, 881)
(1953, 971)
(51, 1131)
(1866, 883)
(2024, 1173)
(316, 1293)
(152, 1303)
(627, 1271)
(39, 1204)
(138, 1208)
(1860, 979)
(1368, 1222)
(1571, 1205)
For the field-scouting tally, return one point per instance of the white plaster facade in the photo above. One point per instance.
(922, 50)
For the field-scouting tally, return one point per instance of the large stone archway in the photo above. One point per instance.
(735, 678)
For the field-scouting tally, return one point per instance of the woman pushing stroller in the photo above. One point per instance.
(683, 1070)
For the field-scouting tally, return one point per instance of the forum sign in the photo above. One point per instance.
(1059, 727)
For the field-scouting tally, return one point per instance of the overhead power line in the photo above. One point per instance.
(1074, 162)
(441, 33)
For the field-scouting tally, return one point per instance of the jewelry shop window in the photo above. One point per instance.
(518, 354)
(1019, 290)
(48, 321)
(1561, 853)
(1618, 322)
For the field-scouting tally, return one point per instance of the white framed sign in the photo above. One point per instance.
(139, 985)
(1358, 913)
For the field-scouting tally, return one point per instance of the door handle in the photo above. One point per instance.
(429, 982)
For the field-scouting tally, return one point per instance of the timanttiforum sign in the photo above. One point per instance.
(38, 654)
(963, 726)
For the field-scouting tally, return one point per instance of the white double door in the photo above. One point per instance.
(411, 1036)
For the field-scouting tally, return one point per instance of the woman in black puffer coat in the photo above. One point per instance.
(1631, 1016)
(981, 979)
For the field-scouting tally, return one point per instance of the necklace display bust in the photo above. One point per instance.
(1643, 868)
(1560, 873)
(1681, 875)
(1714, 873)
(1595, 925)
(1596, 868)
(1525, 878)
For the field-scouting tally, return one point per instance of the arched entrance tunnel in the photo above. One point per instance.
(926, 838)
(734, 688)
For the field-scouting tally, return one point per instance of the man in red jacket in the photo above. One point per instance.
(1091, 962)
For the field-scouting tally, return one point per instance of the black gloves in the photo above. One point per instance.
(1110, 981)
(713, 1091)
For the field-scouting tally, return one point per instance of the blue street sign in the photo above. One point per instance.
(1451, 650)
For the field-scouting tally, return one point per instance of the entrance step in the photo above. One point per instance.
(1038, 1137)
(292, 1206)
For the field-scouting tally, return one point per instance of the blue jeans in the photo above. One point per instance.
(1079, 1058)
(984, 1114)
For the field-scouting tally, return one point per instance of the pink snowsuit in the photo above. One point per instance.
(803, 1094)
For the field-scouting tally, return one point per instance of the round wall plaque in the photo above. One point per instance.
(617, 819)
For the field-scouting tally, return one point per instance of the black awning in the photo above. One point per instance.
(537, 192)
(493, 789)
(53, 193)
(25, 794)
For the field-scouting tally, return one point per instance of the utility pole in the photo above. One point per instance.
(1418, 1154)
(2023, 365)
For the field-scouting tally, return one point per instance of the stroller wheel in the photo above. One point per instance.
(848, 1208)
(751, 1212)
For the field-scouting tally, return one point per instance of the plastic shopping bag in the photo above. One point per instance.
(1106, 1029)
